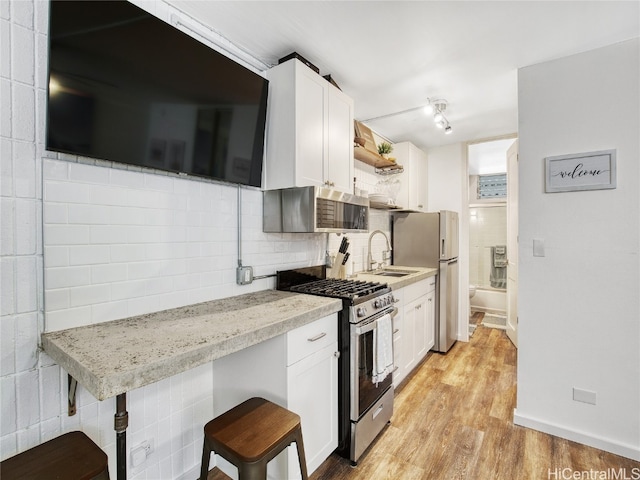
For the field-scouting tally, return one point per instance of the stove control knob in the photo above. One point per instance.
(361, 312)
(377, 304)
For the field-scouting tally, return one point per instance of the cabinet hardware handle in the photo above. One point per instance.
(336, 354)
(317, 337)
(378, 411)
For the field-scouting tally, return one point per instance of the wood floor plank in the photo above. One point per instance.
(453, 419)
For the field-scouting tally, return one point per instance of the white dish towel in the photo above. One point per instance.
(382, 349)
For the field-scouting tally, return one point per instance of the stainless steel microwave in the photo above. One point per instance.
(314, 209)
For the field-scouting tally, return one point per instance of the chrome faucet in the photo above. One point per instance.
(386, 255)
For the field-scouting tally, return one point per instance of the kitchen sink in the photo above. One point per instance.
(393, 273)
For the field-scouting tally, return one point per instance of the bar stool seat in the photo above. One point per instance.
(72, 456)
(250, 435)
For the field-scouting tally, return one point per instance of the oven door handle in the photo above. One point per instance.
(371, 325)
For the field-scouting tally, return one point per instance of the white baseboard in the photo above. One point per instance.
(624, 450)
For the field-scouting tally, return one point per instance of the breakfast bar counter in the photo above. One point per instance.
(111, 358)
(118, 356)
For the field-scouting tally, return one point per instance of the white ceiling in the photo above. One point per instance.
(391, 56)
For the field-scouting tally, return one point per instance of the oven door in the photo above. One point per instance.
(364, 391)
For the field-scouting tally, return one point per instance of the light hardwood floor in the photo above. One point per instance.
(453, 419)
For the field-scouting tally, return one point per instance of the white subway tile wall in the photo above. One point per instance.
(487, 228)
(117, 242)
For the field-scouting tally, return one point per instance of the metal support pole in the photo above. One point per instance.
(121, 422)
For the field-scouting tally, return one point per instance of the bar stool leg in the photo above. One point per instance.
(253, 471)
(301, 457)
(206, 457)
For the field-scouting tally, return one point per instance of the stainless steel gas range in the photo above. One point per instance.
(365, 391)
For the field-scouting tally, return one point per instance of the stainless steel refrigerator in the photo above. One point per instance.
(431, 240)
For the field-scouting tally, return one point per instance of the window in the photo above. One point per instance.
(492, 186)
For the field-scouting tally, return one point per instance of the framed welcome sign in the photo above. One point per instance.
(581, 171)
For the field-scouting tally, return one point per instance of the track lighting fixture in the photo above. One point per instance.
(433, 107)
(437, 107)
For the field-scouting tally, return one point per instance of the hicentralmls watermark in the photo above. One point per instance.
(606, 474)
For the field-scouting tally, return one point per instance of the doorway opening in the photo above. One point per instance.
(489, 230)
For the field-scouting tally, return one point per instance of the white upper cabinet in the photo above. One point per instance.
(413, 193)
(309, 130)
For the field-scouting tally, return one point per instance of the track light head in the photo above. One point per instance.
(439, 105)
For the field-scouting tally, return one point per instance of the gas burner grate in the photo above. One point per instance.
(345, 289)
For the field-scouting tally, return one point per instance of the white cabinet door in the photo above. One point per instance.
(339, 163)
(418, 185)
(420, 307)
(313, 394)
(310, 92)
(409, 360)
(413, 190)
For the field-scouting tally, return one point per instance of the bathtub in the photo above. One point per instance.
(489, 300)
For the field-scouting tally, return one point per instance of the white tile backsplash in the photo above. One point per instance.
(487, 228)
(22, 41)
(23, 112)
(27, 399)
(26, 328)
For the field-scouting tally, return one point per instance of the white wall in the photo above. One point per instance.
(448, 184)
(579, 305)
(188, 232)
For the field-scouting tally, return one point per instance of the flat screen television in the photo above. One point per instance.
(125, 86)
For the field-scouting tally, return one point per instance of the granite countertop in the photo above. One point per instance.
(418, 273)
(115, 357)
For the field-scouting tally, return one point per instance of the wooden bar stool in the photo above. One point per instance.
(250, 435)
(72, 456)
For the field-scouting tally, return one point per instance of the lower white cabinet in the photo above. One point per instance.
(297, 370)
(414, 326)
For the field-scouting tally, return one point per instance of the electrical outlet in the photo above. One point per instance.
(244, 275)
(139, 455)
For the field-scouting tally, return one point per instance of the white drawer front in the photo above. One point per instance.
(415, 290)
(310, 338)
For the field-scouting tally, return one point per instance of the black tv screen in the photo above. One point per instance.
(125, 86)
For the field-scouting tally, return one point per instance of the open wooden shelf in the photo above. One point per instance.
(373, 159)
